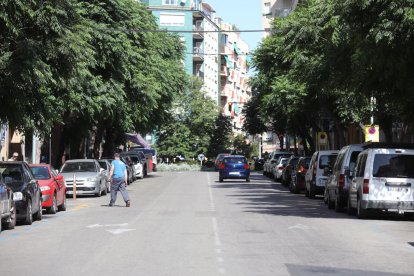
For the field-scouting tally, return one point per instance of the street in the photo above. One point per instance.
(187, 223)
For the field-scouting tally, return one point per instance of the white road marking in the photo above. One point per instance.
(107, 225)
(119, 231)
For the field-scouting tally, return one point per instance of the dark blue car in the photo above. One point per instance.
(234, 167)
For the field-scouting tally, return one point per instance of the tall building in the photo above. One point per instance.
(215, 51)
(275, 8)
(194, 21)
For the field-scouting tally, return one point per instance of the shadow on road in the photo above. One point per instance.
(263, 196)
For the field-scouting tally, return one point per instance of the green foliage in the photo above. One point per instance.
(220, 138)
(326, 61)
(240, 146)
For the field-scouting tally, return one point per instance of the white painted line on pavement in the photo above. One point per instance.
(106, 225)
(210, 193)
(299, 226)
(119, 231)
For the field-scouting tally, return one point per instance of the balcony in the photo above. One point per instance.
(198, 32)
(198, 54)
(224, 72)
(282, 12)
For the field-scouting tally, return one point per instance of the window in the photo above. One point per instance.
(266, 9)
(172, 19)
(359, 171)
(393, 165)
(170, 2)
(327, 161)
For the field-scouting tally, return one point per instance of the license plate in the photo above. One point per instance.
(396, 189)
(234, 173)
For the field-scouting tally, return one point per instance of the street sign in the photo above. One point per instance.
(322, 138)
(201, 157)
(371, 133)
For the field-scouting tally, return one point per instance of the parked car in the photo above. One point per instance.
(234, 167)
(297, 183)
(278, 169)
(337, 187)
(106, 165)
(137, 162)
(53, 187)
(272, 160)
(89, 176)
(150, 154)
(26, 190)
(258, 164)
(287, 171)
(383, 180)
(218, 160)
(317, 176)
(7, 207)
(130, 168)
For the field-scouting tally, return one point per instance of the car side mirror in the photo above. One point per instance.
(8, 180)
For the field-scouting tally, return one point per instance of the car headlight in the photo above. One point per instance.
(44, 188)
(17, 196)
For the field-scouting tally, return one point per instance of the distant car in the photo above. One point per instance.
(278, 169)
(297, 183)
(130, 168)
(53, 187)
(287, 171)
(316, 177)
(7, 207)
(137, 160)
(218, 160)
(26, 190)
(383, 180)
(234, 167)
(258, 164)
(89, 175)
(271, 162)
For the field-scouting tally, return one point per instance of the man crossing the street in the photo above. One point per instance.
(119, 179)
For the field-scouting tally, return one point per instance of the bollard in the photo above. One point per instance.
(74, 187)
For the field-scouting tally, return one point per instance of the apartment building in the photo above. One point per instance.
(235, 91)
(194, 21)
(275, 8)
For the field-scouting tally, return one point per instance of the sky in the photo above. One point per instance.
(245, 14)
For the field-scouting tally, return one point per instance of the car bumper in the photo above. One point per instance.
(234, 175)
(47, 198)
(83, 190)
(389, 205)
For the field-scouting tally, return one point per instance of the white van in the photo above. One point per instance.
(315, 179)
(383, 180)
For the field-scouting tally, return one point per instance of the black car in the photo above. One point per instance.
(7, 207)
(258, 164)
(26, 191)
(287, 171)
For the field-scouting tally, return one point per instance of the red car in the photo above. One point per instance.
(53, 187)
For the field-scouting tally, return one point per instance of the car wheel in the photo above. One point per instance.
(39, 213)
(145, 172)
(311, 192)
(11, 222)
(350, 210)
(248, 179)
(325, 196)
(53, 209)
(306, 191)
(361, 213)
(338, 205)
(331, 204)
(98, 194)
(220, 179)
(105, 191)
(63, 206)
(29, 213)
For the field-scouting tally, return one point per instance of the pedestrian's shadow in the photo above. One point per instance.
(116, 205)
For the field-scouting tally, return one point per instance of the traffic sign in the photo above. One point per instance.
(201, 157)
(322, 138)
(371, 133)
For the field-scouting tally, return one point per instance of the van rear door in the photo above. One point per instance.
(393, 175)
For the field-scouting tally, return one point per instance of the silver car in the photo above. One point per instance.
(89, 176)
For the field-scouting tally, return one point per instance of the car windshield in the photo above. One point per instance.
(284, 161)
(393, 165)
(78, 167)
(40, 173)
(327, 161)
(12, 171)
(235, 160)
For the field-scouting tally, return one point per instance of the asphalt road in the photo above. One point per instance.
(190, 224)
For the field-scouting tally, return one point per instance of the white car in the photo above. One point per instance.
(383, 180)
(278, 169)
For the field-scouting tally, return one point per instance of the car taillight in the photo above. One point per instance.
(246, 166)
(341, 181)
(301, 169)
(221, 166)
(365, 186)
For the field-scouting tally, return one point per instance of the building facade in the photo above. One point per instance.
(275, 8)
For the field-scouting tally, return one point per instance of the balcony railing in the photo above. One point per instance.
(282, 12)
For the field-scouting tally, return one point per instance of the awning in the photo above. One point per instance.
(137, 140)
(236, 49)
(228, 61)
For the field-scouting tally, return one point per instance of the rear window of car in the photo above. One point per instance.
(40, 173)
(353, 159)
(327, 161)
(294, 161)
(79, 167)
(284, 161)
(393, 165)
(305, 163)
(234, 160)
